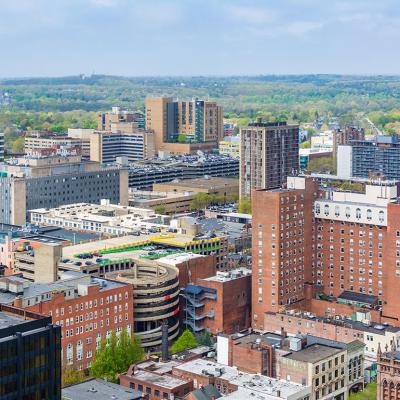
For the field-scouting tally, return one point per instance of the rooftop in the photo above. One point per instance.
(7, 320)
(204, 183)
(97, 389)
(358, 297)
(163, 381)
(229, 275)
(313, 353)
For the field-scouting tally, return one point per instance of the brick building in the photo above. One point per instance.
(312, 242)
(87, 310)
(344, 136)
(219, 303)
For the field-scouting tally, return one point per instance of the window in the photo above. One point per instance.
(369, 214)
(337, 211)
(358, 213)
(347, 212)
(317, 208)
(156, 393)
(381, 216)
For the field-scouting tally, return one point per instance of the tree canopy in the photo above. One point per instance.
(186, 341)
(116, 355)
(244, 205)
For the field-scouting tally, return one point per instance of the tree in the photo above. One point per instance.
(186, 341)
(305, 145)
(116, 356)
(244, 205)
(205, 339)
(233, 197)
(70, 376)
(159, 209)
(181, 138)
(322, 165)
(200, 201)
(18, 145)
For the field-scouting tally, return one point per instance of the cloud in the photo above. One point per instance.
(251, 15)
(104, 3)
(299, 28)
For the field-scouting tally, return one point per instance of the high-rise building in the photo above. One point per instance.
(344, 136)
(31, 183)
(269, 152)
(313, 242)
(379, 157)
(30, 355)
(184, 126)
(1, 146)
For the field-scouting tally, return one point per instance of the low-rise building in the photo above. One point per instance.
(388, 377)
(87, 309)
(230, 146)
(219, 303)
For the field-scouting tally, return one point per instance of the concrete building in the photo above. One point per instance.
(132, 144)
(269, 152)
(82, 134)
(30, 349)
(34, 144)
(326, 250)
(226, 187)
(379, 157)
(1, 146)
(220, 303)
(106, 121)
(184, 127)
(87, 310)
(99, 389)
(105, 218)
(230, 146)
(31, 183)
(344, 136)
(142, 175)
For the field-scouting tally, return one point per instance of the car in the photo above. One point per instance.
(99, 260)
(88, 263)
(78, 263)
(65, 260)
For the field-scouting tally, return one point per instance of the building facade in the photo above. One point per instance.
(184, 126)
(388, 376)
(230, 146)
(269, 152)
(311, 241)
(30, 349)
(344, 136)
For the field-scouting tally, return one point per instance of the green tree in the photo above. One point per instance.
(116, 356)
(200, 201)
(233, 197)
(159, 209)
(18, 145)
(186, 341)
(322, 165)
(70, 376)
(244, 205)
(305, 145)
(205, 339)
(181, 138)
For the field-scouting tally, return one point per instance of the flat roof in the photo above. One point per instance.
(358, 297)
(7, 320)
(314, 353)
(97, 389)
(203, 183)
(164, 381)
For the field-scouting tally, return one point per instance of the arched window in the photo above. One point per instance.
(347, 212)
(326, 209)
(381, 216)
(358, 213)
(369, 214)
(337, 211)
(317, 208)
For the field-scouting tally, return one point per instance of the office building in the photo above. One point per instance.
(30, 350)
(108, 120)
(183, 127)
(379, 158)
(327, 250)
(1, 146)
(133, 145)
(31, 183)
(344, 136)
(83, 135)
(36, 145)
(269, 152)
(87, 309)
(230, 146)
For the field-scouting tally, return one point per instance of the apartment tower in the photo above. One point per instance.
(269, 152)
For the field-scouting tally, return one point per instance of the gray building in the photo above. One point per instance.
(50, 182)
(1, 146)
(379, 157)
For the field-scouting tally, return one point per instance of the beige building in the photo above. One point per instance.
(105, 121)
(83, 134)
(269, 152)
(184, 126)
(219, 186)
(230, 146)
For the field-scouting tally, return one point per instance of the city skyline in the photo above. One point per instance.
(45, 38)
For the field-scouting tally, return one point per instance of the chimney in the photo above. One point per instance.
(278, 393)
(164, 342)
(283, 332)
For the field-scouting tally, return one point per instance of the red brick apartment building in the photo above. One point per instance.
(86, 308)
(316, 248)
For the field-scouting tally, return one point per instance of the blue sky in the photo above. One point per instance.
(198, 37)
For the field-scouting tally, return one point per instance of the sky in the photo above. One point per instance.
(198, 37)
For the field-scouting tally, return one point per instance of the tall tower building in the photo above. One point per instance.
(269, 152)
